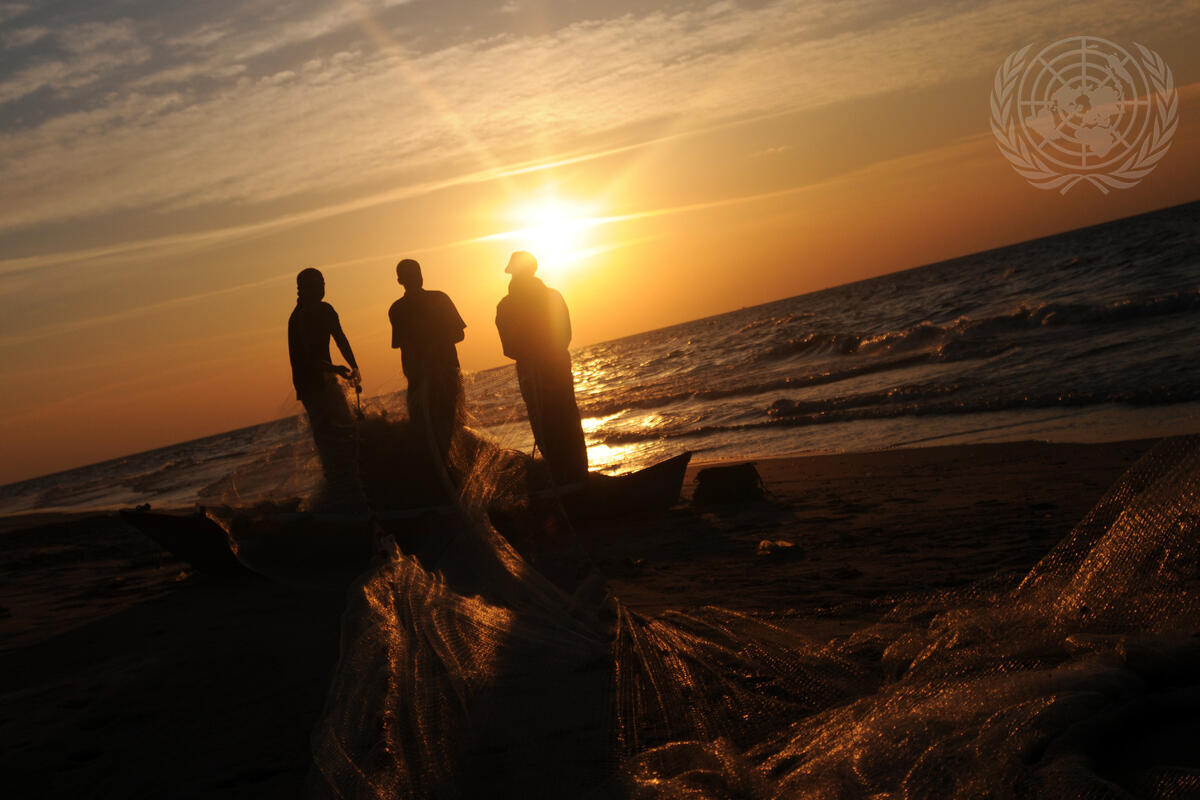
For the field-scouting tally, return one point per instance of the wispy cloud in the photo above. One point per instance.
(88, 37)
(87, 52)
(381, 106)
(188, 72)
(23, 37)
(10, 11)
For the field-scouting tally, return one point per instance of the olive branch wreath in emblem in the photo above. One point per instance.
(1031, 165)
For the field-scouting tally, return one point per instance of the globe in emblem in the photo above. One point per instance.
(1084, 102)
(1083, 110)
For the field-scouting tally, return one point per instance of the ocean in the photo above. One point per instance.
(1085, 336)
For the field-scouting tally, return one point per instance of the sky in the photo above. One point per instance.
(167, 168)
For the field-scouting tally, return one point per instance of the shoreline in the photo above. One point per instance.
(864, 527)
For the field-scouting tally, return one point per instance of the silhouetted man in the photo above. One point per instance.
(310, 327)
(426, 327)
(535, 330)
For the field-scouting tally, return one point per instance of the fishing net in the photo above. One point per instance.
(479, 675)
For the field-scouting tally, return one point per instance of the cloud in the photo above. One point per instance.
(91, 51)
(10, 11)
(89, 37)
(202, 37)
(383, 109)
(73, 74)
(253, 39)
(23, 37)
(297, 31)
(188, 72)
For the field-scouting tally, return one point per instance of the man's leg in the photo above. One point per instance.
(531, 392)
(336, 438)
(549, 392)
(431, 420)
(446, 410)
(566, 426)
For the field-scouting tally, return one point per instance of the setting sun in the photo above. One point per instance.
(554, 230)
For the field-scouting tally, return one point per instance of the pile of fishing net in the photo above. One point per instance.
(479, 676)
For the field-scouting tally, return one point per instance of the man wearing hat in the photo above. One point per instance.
(425, 328)
(535, 330)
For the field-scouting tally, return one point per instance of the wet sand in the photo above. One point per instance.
(125, 674)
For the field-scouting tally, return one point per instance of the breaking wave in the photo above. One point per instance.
(969, 337)
(901, 401)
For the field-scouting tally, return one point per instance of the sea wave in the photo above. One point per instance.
(666, 358)
(774, 321)
(813, 344)
(662, 395)
(978, 337)
(904, 401)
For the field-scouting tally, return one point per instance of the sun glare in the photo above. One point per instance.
(553, 230)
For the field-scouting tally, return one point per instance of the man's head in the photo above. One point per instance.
(408, 274)
(521, 263)
(310, 285)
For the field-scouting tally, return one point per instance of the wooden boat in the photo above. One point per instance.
(288, 545)
(193, 538)
(654, 488)
(306, 547)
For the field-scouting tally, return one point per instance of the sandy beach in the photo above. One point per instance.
(127, 675)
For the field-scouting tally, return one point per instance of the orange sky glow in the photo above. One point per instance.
(164, 183)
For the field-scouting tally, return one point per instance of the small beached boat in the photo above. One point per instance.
(653, 488)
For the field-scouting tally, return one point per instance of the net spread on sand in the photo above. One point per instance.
(481, 677)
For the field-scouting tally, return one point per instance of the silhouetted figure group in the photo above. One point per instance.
(535, 331)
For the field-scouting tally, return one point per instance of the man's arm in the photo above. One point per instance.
(455, 327)
(393, 317)
(343, 344)
(564, 320)
(505, 333)
(294, 356)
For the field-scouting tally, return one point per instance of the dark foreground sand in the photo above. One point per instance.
(125, 675)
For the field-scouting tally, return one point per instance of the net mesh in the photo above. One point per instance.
(478, 675)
